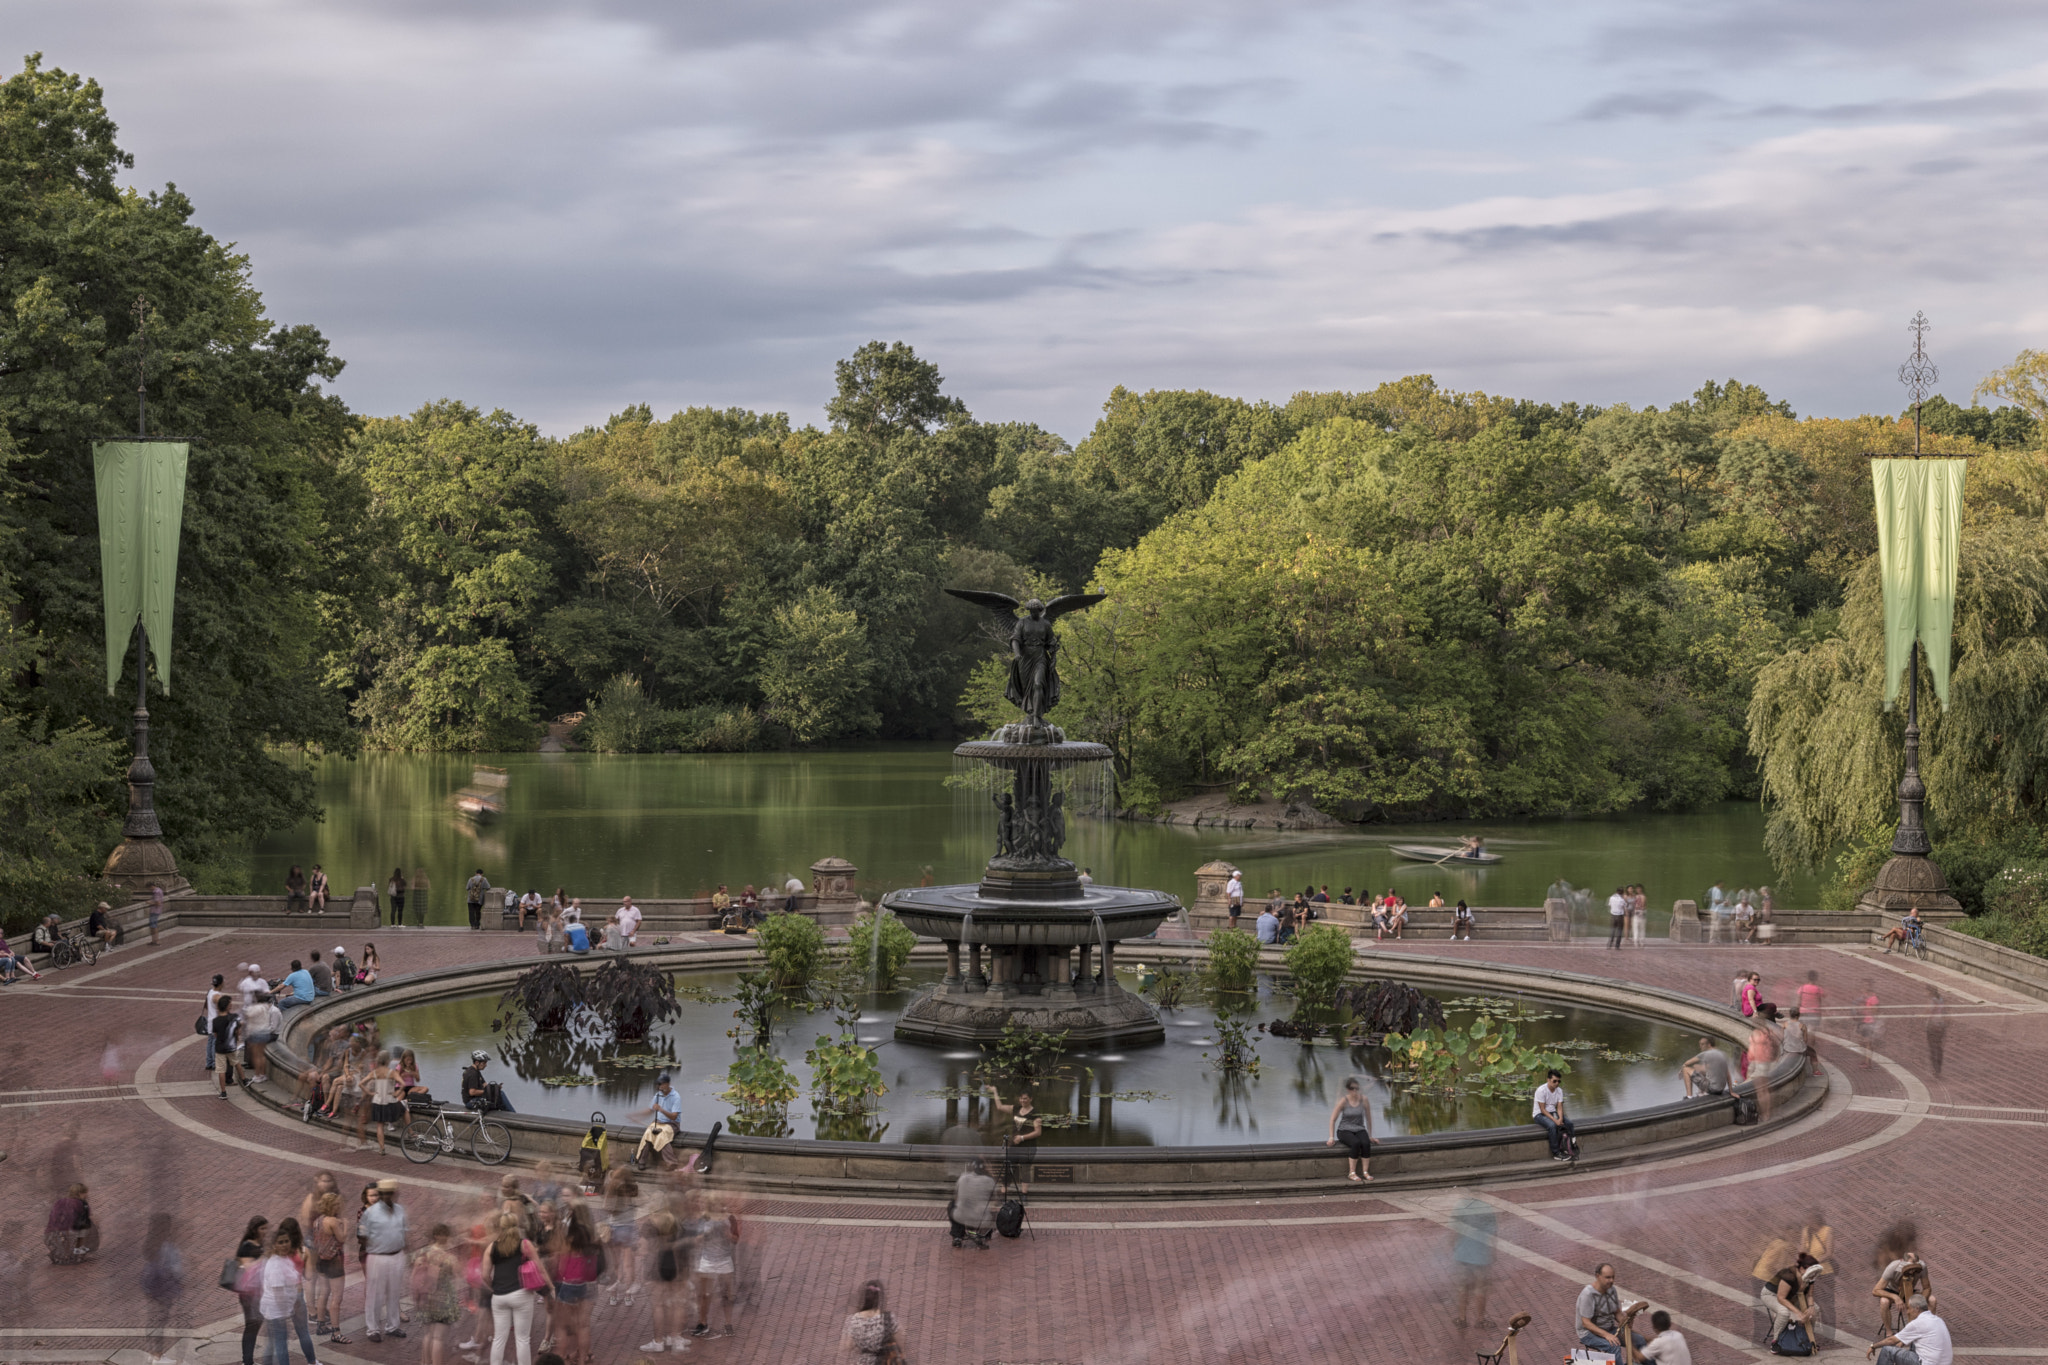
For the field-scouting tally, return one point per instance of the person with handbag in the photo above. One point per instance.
(517, 1279)
(871, 1330)
(242, 1275)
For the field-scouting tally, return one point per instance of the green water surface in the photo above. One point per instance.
(678, 825)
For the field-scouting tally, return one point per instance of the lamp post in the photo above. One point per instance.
(141, 490)
(1918, 510)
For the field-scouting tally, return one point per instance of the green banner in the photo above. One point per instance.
(1919, 536)
(142, 504)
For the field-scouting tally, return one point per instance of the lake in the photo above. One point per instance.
(678, 825)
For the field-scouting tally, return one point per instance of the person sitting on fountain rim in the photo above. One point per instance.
(1549, 1116)
(1269, 921)
(666, 1121)
(1709, 1071)
(479, 1094)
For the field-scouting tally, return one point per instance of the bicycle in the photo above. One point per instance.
(426, 1138)
(74, 948)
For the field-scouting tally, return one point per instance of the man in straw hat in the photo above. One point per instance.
(382, 1228)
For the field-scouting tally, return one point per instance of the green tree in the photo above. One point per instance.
(816, 676)
(263, 576)
(1831, 754)
(460, 509)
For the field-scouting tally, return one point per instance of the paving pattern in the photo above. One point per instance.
(102, 1081)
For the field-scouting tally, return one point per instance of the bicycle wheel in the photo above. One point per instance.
(490, 1142)
(422, 1140)
(63, 954)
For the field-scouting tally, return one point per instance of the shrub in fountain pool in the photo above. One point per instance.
(794, 946)
(879, 954)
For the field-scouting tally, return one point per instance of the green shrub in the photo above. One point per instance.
(843, 1074)
(759, 1082)
(878, 963)
(1318, 961)
(1237, 1050)
(2016, 909)
(624, 720)
(794, 946)
(1233, 958)
(1484, 1059)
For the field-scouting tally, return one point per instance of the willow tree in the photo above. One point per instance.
(1831, 754)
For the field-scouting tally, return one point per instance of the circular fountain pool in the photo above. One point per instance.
(1163, 1094)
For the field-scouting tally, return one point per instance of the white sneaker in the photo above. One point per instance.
(678, 1342)
(648, 1346)
(468, 1346)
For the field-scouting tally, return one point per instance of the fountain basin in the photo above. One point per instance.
(1051, 963)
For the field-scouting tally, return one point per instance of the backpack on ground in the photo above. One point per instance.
(1010, 1218)
(1745, 1110)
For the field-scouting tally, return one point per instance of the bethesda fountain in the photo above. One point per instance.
(1030, 945)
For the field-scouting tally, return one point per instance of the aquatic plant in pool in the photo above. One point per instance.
(1168, 1093)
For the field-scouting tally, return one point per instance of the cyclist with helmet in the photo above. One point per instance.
(478, 1093)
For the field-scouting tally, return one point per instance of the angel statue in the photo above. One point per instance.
(1034, 649)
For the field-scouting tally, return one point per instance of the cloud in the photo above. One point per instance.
(563, 206)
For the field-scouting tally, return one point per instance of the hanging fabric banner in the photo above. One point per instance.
(1919, 539)
(141, 487)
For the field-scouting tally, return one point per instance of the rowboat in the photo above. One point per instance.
(1425, 853)
(483, 800)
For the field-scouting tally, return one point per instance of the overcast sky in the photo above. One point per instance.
(562, 208)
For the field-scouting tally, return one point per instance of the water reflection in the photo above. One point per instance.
(657, 825)
(1125, 1095)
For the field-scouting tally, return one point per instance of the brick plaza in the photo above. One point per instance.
(103, 1083)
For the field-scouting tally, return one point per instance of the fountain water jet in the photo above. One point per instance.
(1030, 910)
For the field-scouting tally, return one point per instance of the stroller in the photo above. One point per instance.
(592, 1154)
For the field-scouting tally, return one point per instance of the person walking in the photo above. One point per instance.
(515, 1273)
(578, 1265)
(278, 1296)
(1351, 1124)
(395, 890)
(1233, 896)
(474, 892)
(382, 1229)
(871, 1331)
(437, 1295)
(227, 1036)
(622, 1219)
(714, 1234)
(1937, 1031)
(382, 1105)
(1617, 917)
(249, 1283)
(156, 912)
(163, 1280)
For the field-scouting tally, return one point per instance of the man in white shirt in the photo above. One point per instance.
(629, 921)
(252, 981)
(794, 890)
(1667, 1347)
(1924, 1340)
(1548, 1114)
(1233, 895)
(1617, 918)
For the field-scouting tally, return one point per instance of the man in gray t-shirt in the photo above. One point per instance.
(1599, 1314)
(1707, 1073)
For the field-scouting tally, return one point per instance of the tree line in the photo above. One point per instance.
(1399, 603)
